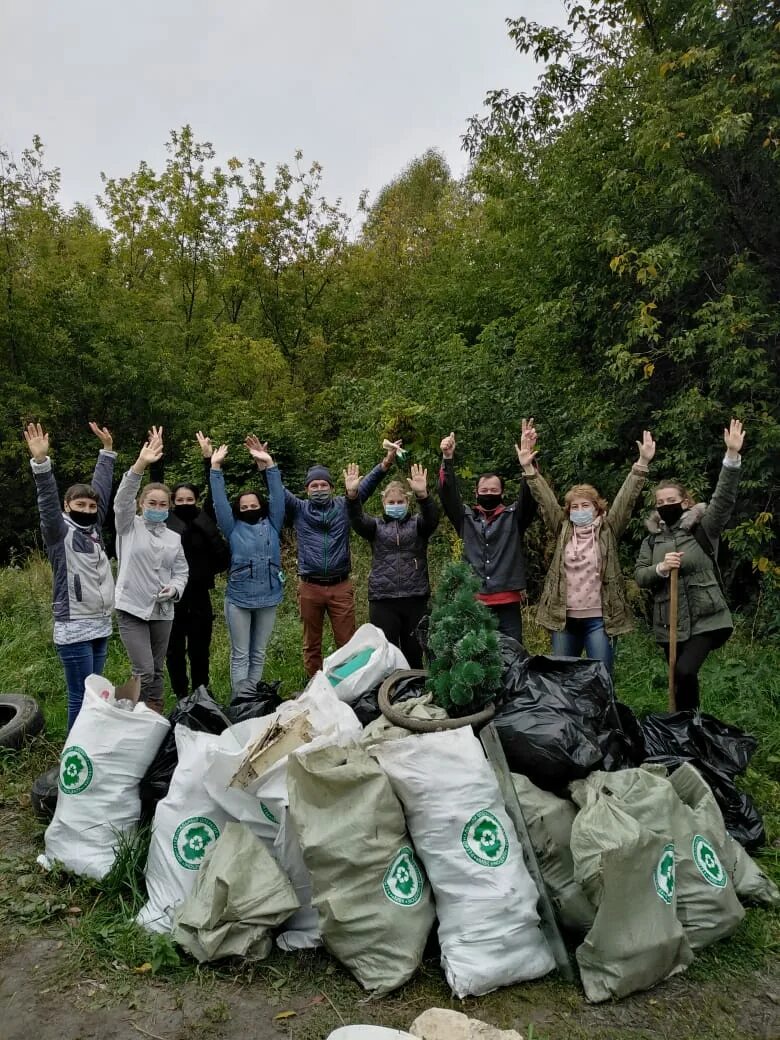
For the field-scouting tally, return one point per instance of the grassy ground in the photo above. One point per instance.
(88, 927)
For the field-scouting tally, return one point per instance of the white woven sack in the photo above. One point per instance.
(385, 658)
(485, 898)
(107, 752)
(186, 822)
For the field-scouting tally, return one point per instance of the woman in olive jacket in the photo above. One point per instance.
(398, 586)
(583, 603)
(684, 536)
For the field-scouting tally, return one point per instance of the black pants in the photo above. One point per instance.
(691, 655)
(510, 620)
(190, 637)
(398, 619)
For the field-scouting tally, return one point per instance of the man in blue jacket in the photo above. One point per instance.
(321, 522)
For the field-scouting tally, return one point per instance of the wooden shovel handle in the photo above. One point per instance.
(673, 578)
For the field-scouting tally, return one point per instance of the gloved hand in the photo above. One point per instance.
(166, 593)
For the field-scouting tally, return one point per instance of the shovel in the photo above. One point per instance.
(673, 576)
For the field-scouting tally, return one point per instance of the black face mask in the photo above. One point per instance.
(250, 516)
(671, 514)
(82, 519)
(187, 513)
(489, 502)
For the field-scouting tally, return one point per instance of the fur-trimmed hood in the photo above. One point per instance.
(688, 520)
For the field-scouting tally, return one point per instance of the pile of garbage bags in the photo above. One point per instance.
(316, 821)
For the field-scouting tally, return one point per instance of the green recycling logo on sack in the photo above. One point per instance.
(663, 875)
(485, 840)
(192, 838)
(403, 880)
(76, 770)
(706, 859)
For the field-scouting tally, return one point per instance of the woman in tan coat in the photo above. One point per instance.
(583, 603)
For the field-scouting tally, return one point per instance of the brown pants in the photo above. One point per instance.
(314, 602)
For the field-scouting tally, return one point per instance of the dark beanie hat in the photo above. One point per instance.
(318, 473)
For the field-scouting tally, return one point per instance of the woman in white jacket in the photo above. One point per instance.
(152, 571)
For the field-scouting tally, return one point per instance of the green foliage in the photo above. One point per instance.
(465, 672)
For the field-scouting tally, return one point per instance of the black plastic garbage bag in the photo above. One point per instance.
(622, 742)
(198, 712)
(558, 720)
(254, 700)
(43, 793)
(720, 752)
(513, 657)
(366, 707)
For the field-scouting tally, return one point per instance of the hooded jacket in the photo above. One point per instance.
(83, 585)
(399, 564)
(323, 531)
(701, 605)
(551, 612)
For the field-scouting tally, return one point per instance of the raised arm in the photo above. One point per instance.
(225, 519)
(534, 486)
(53, 526)
(428, 520)
(206, 450)
(625, 500)
(103, 475)
(125, 499)
(449, 493)
(724, 498)
(361, 522)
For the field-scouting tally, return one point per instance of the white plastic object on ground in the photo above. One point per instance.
(362, 663)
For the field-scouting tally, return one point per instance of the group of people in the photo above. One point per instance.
(170, 547)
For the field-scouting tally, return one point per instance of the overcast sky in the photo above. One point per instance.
(363, 86)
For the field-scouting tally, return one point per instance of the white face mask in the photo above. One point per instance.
(581, 517)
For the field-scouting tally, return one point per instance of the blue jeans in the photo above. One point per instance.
(585, 634)
(80, 660)
(250, 629)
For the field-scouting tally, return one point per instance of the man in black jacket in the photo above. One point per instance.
(492, 536)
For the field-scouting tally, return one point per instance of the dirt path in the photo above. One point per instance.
(41, 999)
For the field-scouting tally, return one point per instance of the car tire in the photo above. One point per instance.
(20, 719)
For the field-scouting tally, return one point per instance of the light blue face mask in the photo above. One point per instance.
(156, 516)
(396, 511)
(581, 517)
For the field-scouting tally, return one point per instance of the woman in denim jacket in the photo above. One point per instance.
(254, 590)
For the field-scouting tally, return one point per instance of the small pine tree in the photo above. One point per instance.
(466, 667)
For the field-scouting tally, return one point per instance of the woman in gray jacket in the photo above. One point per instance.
(398, 586)
(152, 571)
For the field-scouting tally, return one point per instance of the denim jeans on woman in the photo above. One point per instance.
(585, 634)
(250, 629)
(80, 660)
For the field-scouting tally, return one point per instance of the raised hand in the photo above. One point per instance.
(528, 434)
(104, 434)
(218, 456)
(205, 445)
(418, 481)
(646, 448)
(259, 451)
(448, 446)
(526, 453)
(352, 479)
(151, 451)
(37, 441)
(734, 438)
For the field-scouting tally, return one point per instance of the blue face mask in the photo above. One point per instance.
(581, 517)
(156, 516)
(396, 511)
